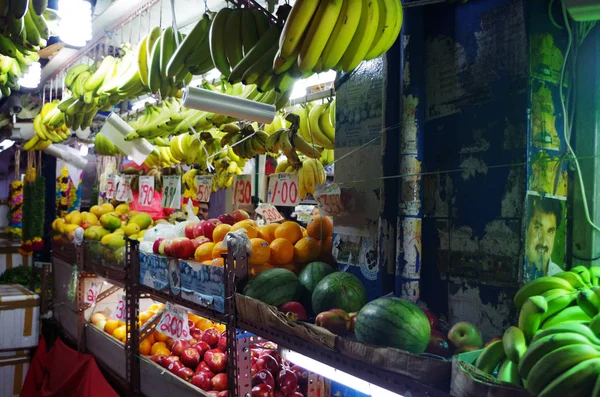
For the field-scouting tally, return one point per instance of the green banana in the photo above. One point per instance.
(186, 48)
(567, 315)
(588, 301)
(18, 8)
(154, 77)
(509, 372)
(490, 357)
(265, 43)
(260, 67)
(531, 314)
(514, 344)
(572, 278)
(217, 39)
(233, 43)
(577, 381)
(539, 286)
(95, 80)
(584, 273)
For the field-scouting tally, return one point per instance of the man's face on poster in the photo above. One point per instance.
(540, 238)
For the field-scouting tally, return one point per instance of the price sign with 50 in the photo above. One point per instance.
(203, 187)
(174, 323)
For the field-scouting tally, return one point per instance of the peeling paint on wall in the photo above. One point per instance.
(472, 166)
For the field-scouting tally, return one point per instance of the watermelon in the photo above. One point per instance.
(339, 290)
(313, 273)
(274, 287)
(393, 322)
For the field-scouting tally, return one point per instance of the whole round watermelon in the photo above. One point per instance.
(313, 273)
(339, 290)
(274, 287)
(393, 322)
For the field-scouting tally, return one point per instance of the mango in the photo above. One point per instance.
(122, 208)
(73, 218)
(68, 228)
(119, 231)
(57, 224)
(96, 210)
(90, 218)
(142, 219)
(91, 233)
(131, 229)
(110, 221)
(113, 240)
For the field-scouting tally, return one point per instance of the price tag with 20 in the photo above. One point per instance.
(124, 188)
(146, 189)
(283, 189)
(92, 293)
(121, 309)
(269, 213)
(174, 322)
(242, 190)
(203, 187)
(171, 195)
(111, 186)
(329, 199)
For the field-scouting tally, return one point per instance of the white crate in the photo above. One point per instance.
(10, 256)
(14, 365)
(19, 317)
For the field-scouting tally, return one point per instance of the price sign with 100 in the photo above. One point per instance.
(111, 186)
(124, 188)
(329, 199)
(171, 196)
(174, 322)
(283, 189)
(269, 213)
(146, 189)
(242, 190)
(121, 309)
(203, 187)
(92, 293)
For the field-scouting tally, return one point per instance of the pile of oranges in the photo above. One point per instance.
(287, 245)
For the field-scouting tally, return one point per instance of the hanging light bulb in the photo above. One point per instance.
(31, 79)
(75, 22)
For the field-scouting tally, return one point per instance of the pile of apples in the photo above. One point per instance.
(202, 360)
(274, 377)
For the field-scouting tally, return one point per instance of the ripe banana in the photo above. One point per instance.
(363, 38)
(316, 134)
(342, 34)
(295, 26)
(388, 15)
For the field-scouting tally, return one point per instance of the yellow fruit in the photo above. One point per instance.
(145, 347)
(260, 252)
(56, 224)
(110, 221)
(146, 315)
(120, 333)
(132, 229)
(141, 219)
(110, 326)
(158, 345)
(96, 210)
(119, 231)
(68, 228)
(122, 208)
(106, 208)
(90, 218)
(162, 351)
(154, 308)
(73, 218)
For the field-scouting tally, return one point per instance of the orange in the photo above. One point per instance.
(290, 231)
(220, 327)
(307, 250)
(203, 324)
(158, 337)
(145, 316)
(158, 345)
(204, 252)
(260, 252)
(120, 333)
(111, 326)
(156, 307)
(219, 249)
(282, 251)
(163, 350)
(145, 347)
(193, 317)
(253, 270)
(249, 225)
(220, 232)
(214, 262)
(150, 339)
(304, 231)
(263, 232)
(320, 228)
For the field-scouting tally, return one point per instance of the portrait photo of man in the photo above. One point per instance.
(543, 220)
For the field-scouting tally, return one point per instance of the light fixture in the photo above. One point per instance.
(6, 144)
(31, 79)
(75, 22)
(227, 105)
(336, 375)
(142, 103)
(83, 149)
(300, 86)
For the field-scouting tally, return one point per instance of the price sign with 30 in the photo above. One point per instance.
(203, 187)
(146, 189)
(283, 189)
(329, 199)
(242, 190)
(111, 186)
(121, 309)
(269, 213)
(174, 322)
(171, 196)
(124, 188)
(92, 293)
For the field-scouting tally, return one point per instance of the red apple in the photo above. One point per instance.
(213, 393)
(157, 358)
(263, 376)
(170, 342)
(209, 227)
(227, 219)
(189, 229)
(262, 390)
(295, 308)
(239, 215)
(174, 366)
(190, 357)
(465, 334)
(278, 393)
(197, 230)
(178, 347)
(494, 339)
(167, 246)
(287, 381)
(219, 382)
(352, 320)
(168, 360)
(223, 342)
(185, 373)
(211, 336)
(202, 348)
(301, 375)
(202, 367)
(272, 353)
(223, 393)
(202, 381)
(438, 344)
(333, 322)
(434, 321)
(267, 362)
(196, 333)
(215, 360)
(198, 241)
(193, 342)
(181, 248)
(294, 394)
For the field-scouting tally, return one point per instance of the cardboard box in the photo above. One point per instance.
(14, 365)
(19, 317)
(203, 284)
(154, 271)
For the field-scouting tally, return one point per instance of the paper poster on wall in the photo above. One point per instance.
(545, 242)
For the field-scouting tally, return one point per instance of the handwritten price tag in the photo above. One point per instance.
(174, 322)
(283, 189)
(124, 188)
(146, 189)
(92, 293)
(203, 187)
(329, 199)
(111, 186)
(171, 195)
(242, 190)
(269, 213)
(121, 309)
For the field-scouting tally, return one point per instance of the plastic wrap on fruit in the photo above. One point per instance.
(146, 247)
(238, 243)
(78, 236)
(72, 290)
(161, 230)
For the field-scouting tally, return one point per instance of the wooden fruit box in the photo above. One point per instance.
(468, 381)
